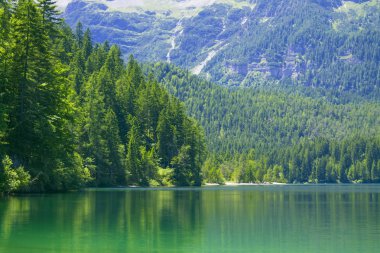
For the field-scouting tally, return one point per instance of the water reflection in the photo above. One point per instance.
(241, 219)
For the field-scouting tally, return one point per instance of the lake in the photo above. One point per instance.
(288, 218)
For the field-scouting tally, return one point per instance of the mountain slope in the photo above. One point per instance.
(275, 134)
(328, 43)
(263, 118)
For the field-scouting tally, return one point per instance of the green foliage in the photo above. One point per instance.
(134, 167)
(71, 112)
(297, 136)
(165, 176)
(5, 96)
(131, 126)
(212, 172)
(37, 116)
(12, 179)
(182, 167)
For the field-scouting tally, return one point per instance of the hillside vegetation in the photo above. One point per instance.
(309, 135)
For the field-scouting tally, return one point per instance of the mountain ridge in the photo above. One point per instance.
(319, 43)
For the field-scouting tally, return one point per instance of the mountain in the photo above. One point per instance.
(319, 43)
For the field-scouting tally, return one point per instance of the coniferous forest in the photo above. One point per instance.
(74, 114)
(273, 133)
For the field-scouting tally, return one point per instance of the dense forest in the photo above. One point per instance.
(72, 114)
(274, 133)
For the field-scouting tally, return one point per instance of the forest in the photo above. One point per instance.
(73, 114)
(277, 133)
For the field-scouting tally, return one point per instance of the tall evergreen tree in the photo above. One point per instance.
(182, 165)
(5, 96)
(165, 138)
(50, 15)
(79, 34)
(133, 159)
(86, 44)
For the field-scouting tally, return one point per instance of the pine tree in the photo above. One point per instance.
(86, 44)
(79, 34)
(133, 159)
(108, 75)
(77, 73)
(5, 96)
(97, 58)
(165, 138)
(148, 165)
(50, 18)
(29, 51)
(5, 16)
(134, 73)
(182, 167)
(127, 90)
(149, 108)
(99, 134)
(195, 140)
(115, 149)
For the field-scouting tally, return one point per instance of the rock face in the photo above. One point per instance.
(142, 34)
(229, 41)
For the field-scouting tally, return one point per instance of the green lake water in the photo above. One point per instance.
(294, 218)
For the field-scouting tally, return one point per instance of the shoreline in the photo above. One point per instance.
(244, 184)
(228, 184)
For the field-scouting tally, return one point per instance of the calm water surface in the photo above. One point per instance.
(326, 218)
